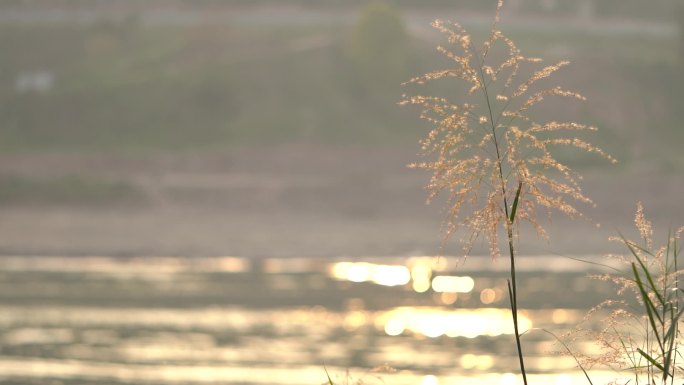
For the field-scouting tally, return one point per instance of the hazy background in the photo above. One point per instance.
(270, 128)
(260, 131)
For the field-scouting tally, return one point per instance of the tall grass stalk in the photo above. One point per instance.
(494, 159)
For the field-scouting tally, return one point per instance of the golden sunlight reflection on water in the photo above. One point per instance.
(397, 275)
(429, 380)
(452, 284)
(214, 374)
(385, 275)
(232, 320)
(436, 322)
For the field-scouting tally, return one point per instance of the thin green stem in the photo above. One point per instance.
(512, 283)
(675, 348)
(514, 303)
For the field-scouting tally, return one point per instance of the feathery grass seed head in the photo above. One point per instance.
(485, 148)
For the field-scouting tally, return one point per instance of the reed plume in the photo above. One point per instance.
(486, 147)
(489, 154)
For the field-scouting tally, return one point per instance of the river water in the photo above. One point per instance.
(231, 320)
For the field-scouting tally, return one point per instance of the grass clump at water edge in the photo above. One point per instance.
(640, 333)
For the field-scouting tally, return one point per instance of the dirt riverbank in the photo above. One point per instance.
(299, 200)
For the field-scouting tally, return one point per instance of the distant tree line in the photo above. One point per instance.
(618, 8)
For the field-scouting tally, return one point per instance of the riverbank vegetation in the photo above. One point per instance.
(134, 82)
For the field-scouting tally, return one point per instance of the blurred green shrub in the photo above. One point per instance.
(67, 189)
(378, 47)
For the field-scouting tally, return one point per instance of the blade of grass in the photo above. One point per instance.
(330, 382)
(649, 278)
(571, 353)
(515, 202)
(628, 352)
(590, 262)
(648, 304)
(651, 359)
